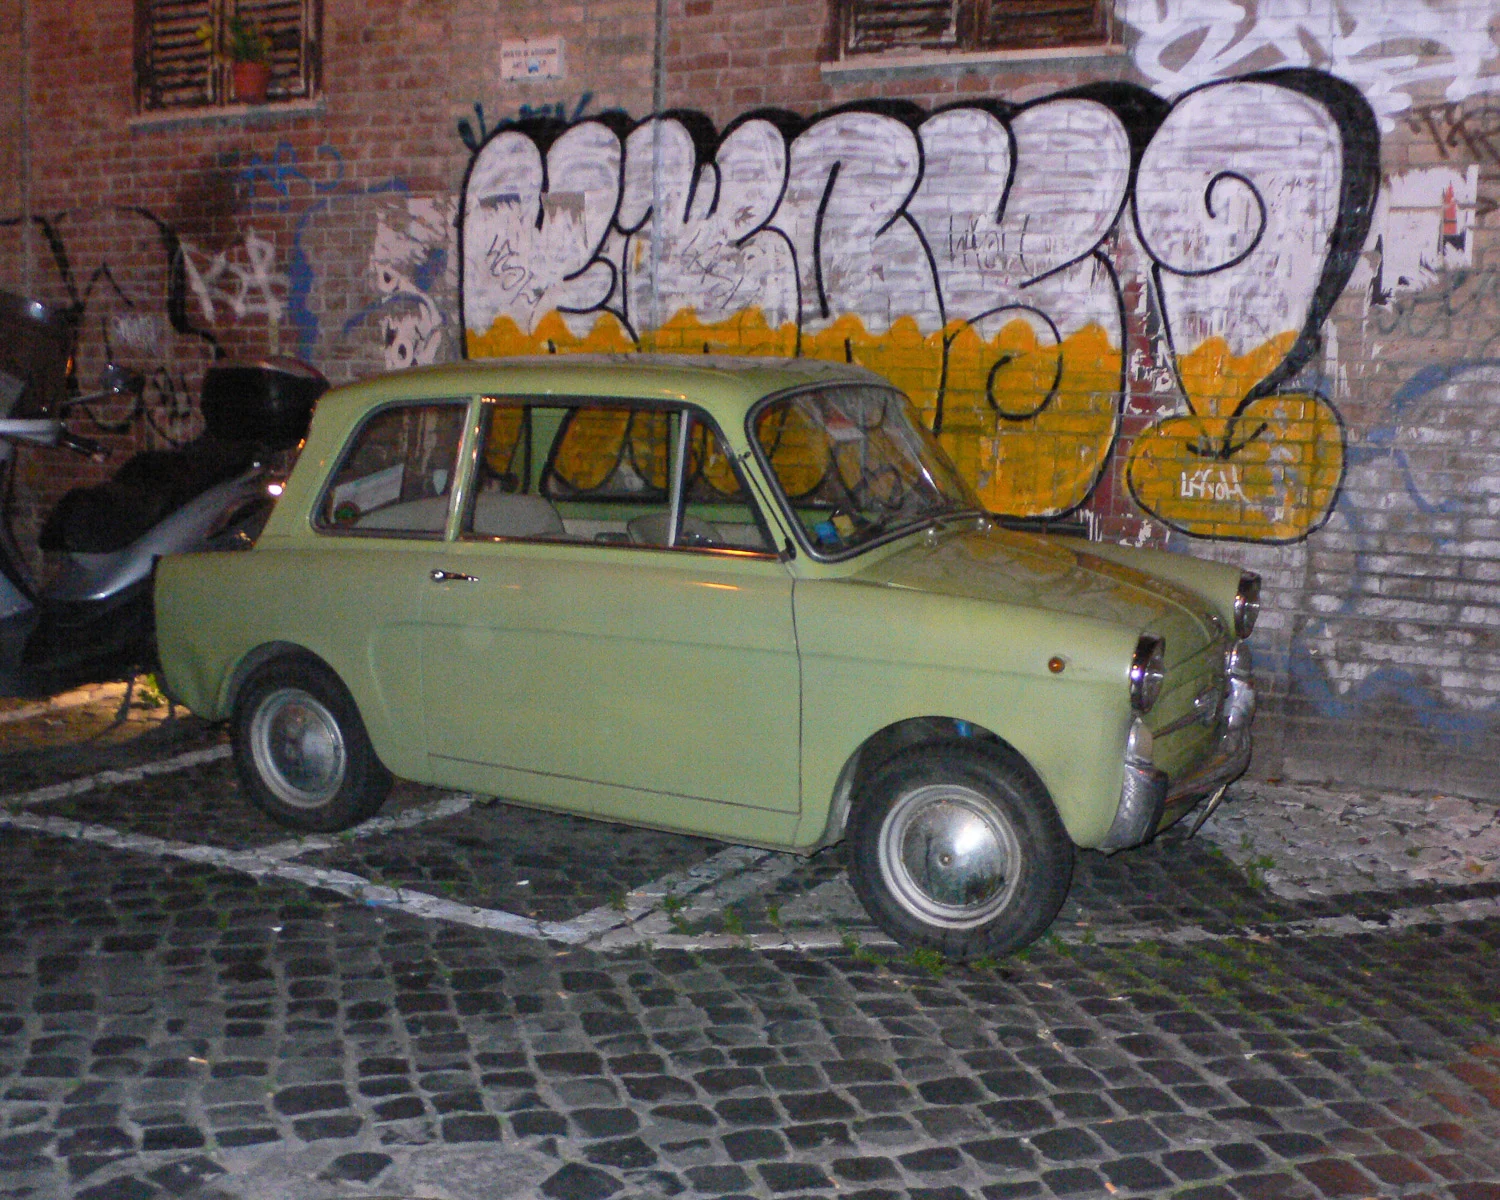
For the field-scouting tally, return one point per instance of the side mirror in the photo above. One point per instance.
(118, 380)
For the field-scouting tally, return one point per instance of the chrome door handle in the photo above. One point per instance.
(440, 576)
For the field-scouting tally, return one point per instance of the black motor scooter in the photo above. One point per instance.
(94, 620)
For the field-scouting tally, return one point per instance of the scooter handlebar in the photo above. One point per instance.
(49, 431)
(34, 431)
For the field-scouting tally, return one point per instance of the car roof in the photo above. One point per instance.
(725, 385)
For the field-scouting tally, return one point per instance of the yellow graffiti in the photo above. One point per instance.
(1034, 449)
(1269, 474)
(505, 338)
(597, 440)
(503, 440)
(797, 449)
(1030, 425)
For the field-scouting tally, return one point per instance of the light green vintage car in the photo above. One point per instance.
(745, 598)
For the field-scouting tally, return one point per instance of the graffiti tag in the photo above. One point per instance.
(473, 133)
(933, 248)
(1183, 43)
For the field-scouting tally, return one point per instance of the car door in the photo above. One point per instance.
(356, 592)
(593, 626)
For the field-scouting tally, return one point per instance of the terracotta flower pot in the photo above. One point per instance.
(251, 79)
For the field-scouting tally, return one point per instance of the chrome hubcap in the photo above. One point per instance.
(949, 856)
(298, 748)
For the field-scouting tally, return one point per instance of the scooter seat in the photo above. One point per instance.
(109, 516)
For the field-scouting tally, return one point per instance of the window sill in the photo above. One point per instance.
(859, 66)
(225, 114)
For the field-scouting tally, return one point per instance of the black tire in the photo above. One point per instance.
(1021, 862)
(301, 749)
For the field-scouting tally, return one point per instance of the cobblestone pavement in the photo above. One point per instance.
(465, 999)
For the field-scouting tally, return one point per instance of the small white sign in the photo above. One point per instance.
(532, 58)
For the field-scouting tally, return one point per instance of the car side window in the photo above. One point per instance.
(609, 473)
(397, 473)
(716, 505)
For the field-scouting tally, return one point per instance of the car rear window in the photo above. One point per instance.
(396, 477)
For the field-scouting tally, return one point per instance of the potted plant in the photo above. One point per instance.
(246, 47)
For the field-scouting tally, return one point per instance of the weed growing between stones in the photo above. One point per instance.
(929, 962)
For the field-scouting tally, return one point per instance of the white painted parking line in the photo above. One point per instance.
(277, 865)
(275, 861)
(739, 873)
(713, 883)
(420, 814)
(781, 939)
(254, 863)
(1393, 920)
(76, 787)
(646, 914)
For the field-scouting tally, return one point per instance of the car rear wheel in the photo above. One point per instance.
(956, 847)
(301, 749)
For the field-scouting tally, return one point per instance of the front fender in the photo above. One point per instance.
(873, 657)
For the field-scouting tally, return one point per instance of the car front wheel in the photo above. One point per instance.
(957, 848)
(301, 749)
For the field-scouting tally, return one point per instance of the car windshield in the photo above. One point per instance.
(855, 465)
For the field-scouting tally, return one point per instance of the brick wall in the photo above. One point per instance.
(1246, 316)
(10, 111)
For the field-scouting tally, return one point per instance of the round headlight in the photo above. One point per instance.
(1246, 604)
(1147, 670)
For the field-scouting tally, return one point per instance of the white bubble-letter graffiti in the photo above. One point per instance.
(1239, 215)
(848, 181)
(711, 253)
(533, 226)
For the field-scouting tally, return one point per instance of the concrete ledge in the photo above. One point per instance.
(862, 66)
(224, 114)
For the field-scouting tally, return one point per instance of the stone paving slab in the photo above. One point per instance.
(14, 709)
(77, 740)
(547, 866)
(163, 1023)
(1309, 842)
(188, 1028)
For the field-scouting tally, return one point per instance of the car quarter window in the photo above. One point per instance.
(610, 473)
(396, 475)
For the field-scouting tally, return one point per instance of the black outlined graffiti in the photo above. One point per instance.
(116, 321)
(974, 254)
(473, 133)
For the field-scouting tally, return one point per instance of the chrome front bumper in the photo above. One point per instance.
(1147, 791)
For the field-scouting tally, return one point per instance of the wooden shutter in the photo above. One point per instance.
(174, 68)
(1027, 24)
(293, 27)
(874, 25)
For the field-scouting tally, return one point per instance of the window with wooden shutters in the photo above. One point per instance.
(886, 26)
(175, 66)
(875, 25)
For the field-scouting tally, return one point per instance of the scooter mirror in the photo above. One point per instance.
(120, 380)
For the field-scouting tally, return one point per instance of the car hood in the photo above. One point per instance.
(1056, 574)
